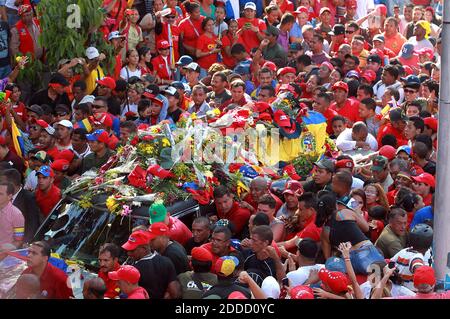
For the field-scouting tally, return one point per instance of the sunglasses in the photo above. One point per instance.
(349, 31)
(97, 106)
(170, 17)
(410, 91)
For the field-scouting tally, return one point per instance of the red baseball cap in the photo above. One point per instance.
(102, 119)
(345, 163)
(126, 273)
(431, 122)
(301, 9)
(201, 254)
(107, 81)
(381, 8)
(352, 4)
(282, 119)
(236, 295)
(270, 65)
(137, 238)
(425, 178)
(424, 276)
(340, 85)
(387, 151)
(302, 292)
(60, 165)
(293, 188)
(158, 229)
(286, 70)
(336, 280)
(67, 155)
(163, 44)
(369, 75)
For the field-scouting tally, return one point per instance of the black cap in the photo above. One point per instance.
(374, 58)
(397, 115)
(338, 29)
(36, 109)
(58, 78)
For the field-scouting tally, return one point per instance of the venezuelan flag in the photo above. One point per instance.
(17, 139)
(84, 124)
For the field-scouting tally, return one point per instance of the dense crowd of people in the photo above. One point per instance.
(353, 229)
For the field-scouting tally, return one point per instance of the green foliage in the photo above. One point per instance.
(61, 41)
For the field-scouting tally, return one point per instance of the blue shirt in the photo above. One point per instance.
(421, 216)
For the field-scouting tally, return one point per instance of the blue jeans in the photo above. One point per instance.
(363, 257)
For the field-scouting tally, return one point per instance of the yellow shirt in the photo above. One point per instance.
(91, 80)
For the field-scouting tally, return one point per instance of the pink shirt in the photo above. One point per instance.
(12, 224)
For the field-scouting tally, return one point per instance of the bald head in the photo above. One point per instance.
(28, 286)
(359, 131)
(94, 288)
(259, 182)
(258, 187)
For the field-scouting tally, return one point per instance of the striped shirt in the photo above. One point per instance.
(12, 224)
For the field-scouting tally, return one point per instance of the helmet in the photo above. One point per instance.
(421, 236)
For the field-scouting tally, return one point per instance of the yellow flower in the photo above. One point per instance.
(165, 142)
(194, 116)
(112, 204)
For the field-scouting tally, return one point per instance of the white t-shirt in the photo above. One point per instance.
(299, 276)
(126, 76)
(31, 182)
(396, 291)
(424, 43)
(405, 261)
(129, 108)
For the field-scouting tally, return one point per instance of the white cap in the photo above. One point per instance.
(92, 53)
(193, 66)
(298, 277)
(65, 123)
(171, 90)
(87, 99)
(115, 35)
(250, 5)
(271, 287)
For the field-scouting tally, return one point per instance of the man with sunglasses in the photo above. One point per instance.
(100, 105)
(105, 88)
(162, 64)
(166, 29)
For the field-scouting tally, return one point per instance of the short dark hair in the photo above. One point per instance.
(83, 107)
(9, 187)
(370, 103)
(378, 212)
(267, 200)
(261, 219)
(113, 249)
(98, 289)
(287, 18)
(201, 220)
(13, 176)
(102, 99)
(223, 229)
(396, 212)
(129, 125)
(392, 70)
(394, 92)
(221, 191)
(200, 266)
(80, 84)
(366, 88)
(205, 21)
(338, 118)
(144, 104)
(325, 96)
(264, 233)
(221, 75)
(420, 150)
(310, 200)
(81, 132)
(417, 122)
(304, 59)
(345, 178)
(270, 89)
(45, 247)
(389, 139)
(308, 248)
(237, 48)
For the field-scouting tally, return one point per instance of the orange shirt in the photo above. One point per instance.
(394, 43)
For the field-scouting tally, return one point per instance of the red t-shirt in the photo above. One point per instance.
(329, 114)
(428, 199)
(138, 293)
(310, 230)
(349, 111)
(254, 203)
(207, 44)
(191, 30)
(112, 290)
(178, 231)
(175, 32)
(228, 60)
(46, 201)
(238, 216)
(161, 67)
(286, 6)
(388, 129)
(53, 283)
(247, 37)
